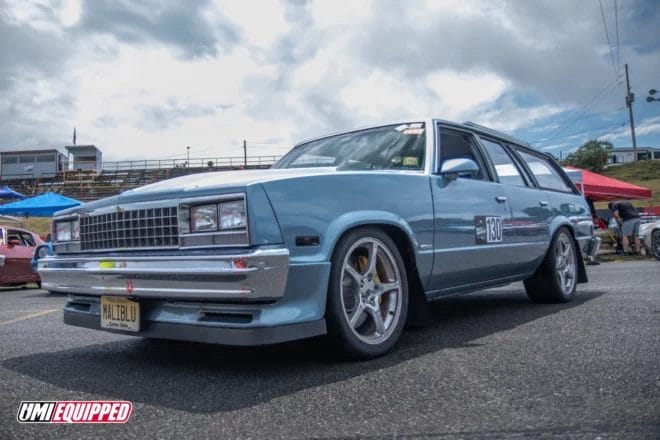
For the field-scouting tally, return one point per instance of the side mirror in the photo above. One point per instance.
(452, 168)
(41, 251)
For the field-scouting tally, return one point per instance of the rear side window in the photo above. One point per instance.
(544, 172)
(506, 169)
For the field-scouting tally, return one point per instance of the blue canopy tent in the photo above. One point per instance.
(44, 205)
(8, 193)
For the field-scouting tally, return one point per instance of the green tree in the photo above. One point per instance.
(591, 156)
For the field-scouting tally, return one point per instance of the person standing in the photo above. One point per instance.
(629, 220)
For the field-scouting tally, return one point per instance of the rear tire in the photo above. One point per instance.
(368, 294)
(556, 279)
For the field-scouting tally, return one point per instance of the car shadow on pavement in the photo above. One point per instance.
(203, 378)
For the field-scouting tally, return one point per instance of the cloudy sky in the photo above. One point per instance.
(145, 79)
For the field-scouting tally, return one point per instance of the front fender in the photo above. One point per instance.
(355, 219)
(351, 220)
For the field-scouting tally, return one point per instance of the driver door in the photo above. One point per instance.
(472, 220)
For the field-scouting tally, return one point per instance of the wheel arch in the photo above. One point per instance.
(418, 308)
(582, 270)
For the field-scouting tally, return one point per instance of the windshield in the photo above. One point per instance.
(392, 147)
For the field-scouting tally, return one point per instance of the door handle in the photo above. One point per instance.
(500, 199)
(543, 204)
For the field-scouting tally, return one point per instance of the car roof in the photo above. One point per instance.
(463, 125)
(17, 228)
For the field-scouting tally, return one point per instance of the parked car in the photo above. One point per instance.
(649, 233)
(16, 248)
(349, 234)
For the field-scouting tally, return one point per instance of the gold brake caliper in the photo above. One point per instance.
(362, 264)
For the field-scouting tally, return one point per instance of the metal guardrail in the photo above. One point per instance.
(87, 184)
(197, 164)
(200, 162)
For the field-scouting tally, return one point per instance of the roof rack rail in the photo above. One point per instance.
(497, 133)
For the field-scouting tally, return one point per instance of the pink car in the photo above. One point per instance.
(16, 249)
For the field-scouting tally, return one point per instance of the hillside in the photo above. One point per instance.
(644, 173)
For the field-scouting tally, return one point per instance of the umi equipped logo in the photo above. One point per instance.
(75, 411)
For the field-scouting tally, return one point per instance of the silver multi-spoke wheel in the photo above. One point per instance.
(565, 264)
(371, 290)
(368, 293)
(556, 278)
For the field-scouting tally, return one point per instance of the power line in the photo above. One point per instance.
(607, 35)
(562, 146)
(605, 127)
(268, 143)
(582, 112)
(616, 20)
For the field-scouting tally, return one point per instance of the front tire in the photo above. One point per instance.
(368, 294)
(556, 279)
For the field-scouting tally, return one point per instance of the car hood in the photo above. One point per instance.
(219, 179)
(200, 184)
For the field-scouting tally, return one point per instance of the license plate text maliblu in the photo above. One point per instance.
(119, 312)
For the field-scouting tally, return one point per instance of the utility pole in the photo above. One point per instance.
(244, 153)
(187, 157)
(630, 98)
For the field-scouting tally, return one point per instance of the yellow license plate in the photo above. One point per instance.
(119, 313)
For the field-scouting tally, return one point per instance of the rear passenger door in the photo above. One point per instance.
(551, 190)
(531, 214)
(472, 219)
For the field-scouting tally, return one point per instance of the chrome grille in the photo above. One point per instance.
(139, 228)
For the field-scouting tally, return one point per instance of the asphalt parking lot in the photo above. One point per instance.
(493, 365)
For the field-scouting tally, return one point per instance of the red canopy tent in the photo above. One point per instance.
(601, 188)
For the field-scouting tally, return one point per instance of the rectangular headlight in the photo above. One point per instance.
(204, 218)
(232, 215)
(75, 230)
(63, 231)
(67, 230)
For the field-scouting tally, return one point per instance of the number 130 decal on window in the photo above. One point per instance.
(487, 229)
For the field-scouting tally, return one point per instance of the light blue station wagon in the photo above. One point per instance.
(348, 235)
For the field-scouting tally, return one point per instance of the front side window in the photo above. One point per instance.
(545, 174)
(506, 169)
(459, 145)
(392, 147)
(27, 239)
(14, 237)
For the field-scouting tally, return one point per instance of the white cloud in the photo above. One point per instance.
(459, 94)
(647, 126)
(114, 98)
(510, 117)
(70, 12)
(260, 28)
(141, 86)
(340, 13)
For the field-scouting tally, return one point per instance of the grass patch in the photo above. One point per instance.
(644, 173)
(40, 225)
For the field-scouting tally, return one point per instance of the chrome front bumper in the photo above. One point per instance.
(256, 275)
